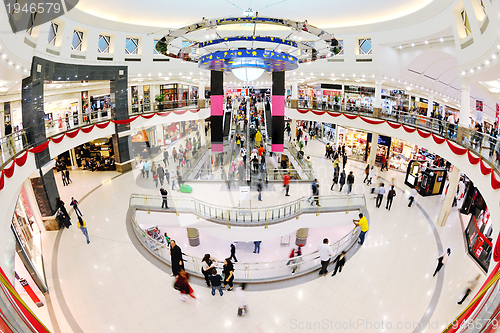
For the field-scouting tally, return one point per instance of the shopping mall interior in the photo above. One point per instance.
(151, 153)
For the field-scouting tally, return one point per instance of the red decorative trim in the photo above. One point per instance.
(456, 150)
(409, 129)
(40, 148)
(73, 134)
(494, 183)
(393, 125)
(148, 116)
(334, 114)
(87, 129)
(179, 113)
(163, 114)
(303, 111)
(423, 134)
(195, 110)
(350, 117)
(20, 161)
(437, 139)
(103, 125)
(59, 139)
(485, 170)
(318, 113)
(472, 159)
(372, 122)
(2, 181)
(125, 121)
(9, 172)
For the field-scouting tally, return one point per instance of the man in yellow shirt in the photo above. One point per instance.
(363, 223)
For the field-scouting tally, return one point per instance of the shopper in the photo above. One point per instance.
(167, 176)
(367, 172)
(141, 167)
(286, 183)
(228, 270)
(207, 264)
(342, 180)
(68, 179)
(350, 182)
(335, 178)
(315, 198)
(470, 286)
(259, 189)
(233, 253)
(256, 246)
(413, 194)
(167, 239)
(339, 263)
(390, 196)
(164, 202)
(146, 168)
(344, 159)
(363, 223)
(371, 175)
(83, 227)
(442, 260)
(325, 254)
(380, 195)
(74, 203)
(174, 154)
(176, 258)
(215, 281)
(182, 284)
(161, 174)
(242, 299)
(63, 176)
(165, 158)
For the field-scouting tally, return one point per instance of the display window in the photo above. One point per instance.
(171, 133)
(355, 142)
(59, 114)
(359, 98)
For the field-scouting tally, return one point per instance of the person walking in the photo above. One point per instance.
(470, 286)
(167, 239)
(63, 176)
(146, 169)
(165, 158)
(350, 182)
(83, 227)
(413, 194)
(342, 180)
(153, 168)
(380, 195)
(215, 281)
(363, 223)
(256, 246)
(68, 179)
(167, 176)
(442, 260)
(371, 175)
(259, 189)
(286, 183)
(164, 202)
(228, 270)
(242, 299)
(233, 253)
(74, 203)
(207, 265)
(367, 172)
(390, 196)
(176, 258)
(161, 174)
(174, 177)
(335, 178)
(339, 263)
(325, 254)
(344, 160)
(315, 198)
(182, 284)
(174, 154)
(141, 167)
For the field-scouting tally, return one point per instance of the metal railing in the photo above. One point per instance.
(70, 122)
(164, 106)
(254, 216)
(266, 271)
(11, 145)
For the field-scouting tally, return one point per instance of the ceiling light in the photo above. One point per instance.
(426, 42)
(412, 44)
(441, 39)
(139, 75)
(11, 63)
(343, 74)
(373, 75)
(248, 74)
(17, 67)
(463, 72)
(472, 70)
(493, 56)
(149, 74)
(159, 74)
(400, 47)
(353, 75)
(322, 74)
(4, 56)
(487, 62)
(498, 46)
(478, 67)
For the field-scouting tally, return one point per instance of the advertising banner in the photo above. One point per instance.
(479, 111)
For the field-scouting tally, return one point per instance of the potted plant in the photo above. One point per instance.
(160, 98)
(337, 100)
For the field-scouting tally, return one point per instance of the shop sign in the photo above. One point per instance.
(382, 139)
(367, 90)
(397, 92)
(351, 89)
(479, 111)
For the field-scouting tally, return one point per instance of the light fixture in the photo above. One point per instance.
(248, 74)
(426, 42)
(159, 74)
(441, 39)
(400, 47)
(4, 56)
(493, 56)
(463, 72)
(487, 62)
(412, 44)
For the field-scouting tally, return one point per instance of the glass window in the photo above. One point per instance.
(103, 44)
(365, 46)
(154, 47)
(341, 44)
(31, 24)
(53, 33)
(77, 42)
(465, 22)
(132, 46)
(481, 2)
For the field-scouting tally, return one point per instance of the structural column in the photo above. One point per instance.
(430, 105)
(201, 94)
(301, 238)
(294, 129)
(377, 104)
(373, 149)
(278, 111)
(72, 157)
(202, 131)
(295, 94)
(217, 109)
(448, 200)
(465, 102)
(193, 236)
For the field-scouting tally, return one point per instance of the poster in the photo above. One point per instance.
(479, 111)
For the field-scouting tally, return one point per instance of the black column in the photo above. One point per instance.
(278, 111)
(118, 91)
(217, 109)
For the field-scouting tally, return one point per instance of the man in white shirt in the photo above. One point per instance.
(413, 194)
(380, 195)
(325, 254)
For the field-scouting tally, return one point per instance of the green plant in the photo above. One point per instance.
(160, 98)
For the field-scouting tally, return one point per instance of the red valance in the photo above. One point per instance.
(58, 140)
(318, 113)
(194, 110)
(9, 172)
(393, 125)
(40, 148)
(456, 150)
(20, 161)
(125, 121)
(334, 114)
(73, 134)
(409, 129)
(372, 122)
(350, 117)
(472, 159)
(437, 139)
(495, 184)
(423, 134)
(103, 125)
(303, 111)
(87, 129)
(485, 170)
(148, 116)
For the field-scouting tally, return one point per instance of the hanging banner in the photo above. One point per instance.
(497, 117)
(479, 111)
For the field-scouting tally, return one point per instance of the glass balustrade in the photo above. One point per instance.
(12, 145)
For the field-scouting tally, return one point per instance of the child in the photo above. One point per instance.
(215, 281)
(155, 179)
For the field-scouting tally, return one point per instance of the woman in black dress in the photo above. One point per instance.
(228, 271)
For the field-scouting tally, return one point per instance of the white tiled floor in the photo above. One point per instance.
(109, 287)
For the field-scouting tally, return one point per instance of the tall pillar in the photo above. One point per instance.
(72, 157)
(278, 111)
(430, 105)
(373, 149)
(465, 102)
(377, 103)
(448, 200)
(202, 132)
(193, 236)
(217, 109)
(201, 94)
(295, 93)
(294, 129)
(301, 238)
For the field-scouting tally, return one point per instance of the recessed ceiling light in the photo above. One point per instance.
(463, 72)
(487, 62)
(441, 39)
(4, 56)
(493, 56)
(139, 75)
(412, 44)
(400, 47)
(149, 74)
(426, 42)
(343, 74)
(159, 74)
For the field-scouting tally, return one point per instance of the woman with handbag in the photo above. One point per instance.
(182, 284)
(228, 271)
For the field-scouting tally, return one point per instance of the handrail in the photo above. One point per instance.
(265, 271)
(251, 216)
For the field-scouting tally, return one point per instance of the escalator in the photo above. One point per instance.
(268, 119)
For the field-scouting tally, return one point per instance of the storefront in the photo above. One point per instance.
(359, 98)
(329, 132)
(355, 142)
(101, 104)
(331, 96)
(395, 100)
(60, 114)
(96, 155)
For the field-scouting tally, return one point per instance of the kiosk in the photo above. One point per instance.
(433, 180)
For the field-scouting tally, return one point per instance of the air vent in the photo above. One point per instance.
(28, 42)
(335, 60)
(161, 59)
(485, 24)
(53, 52)
(78, 56)
(364, 60)
(467, 43)
(133, 59)
(104, 59)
